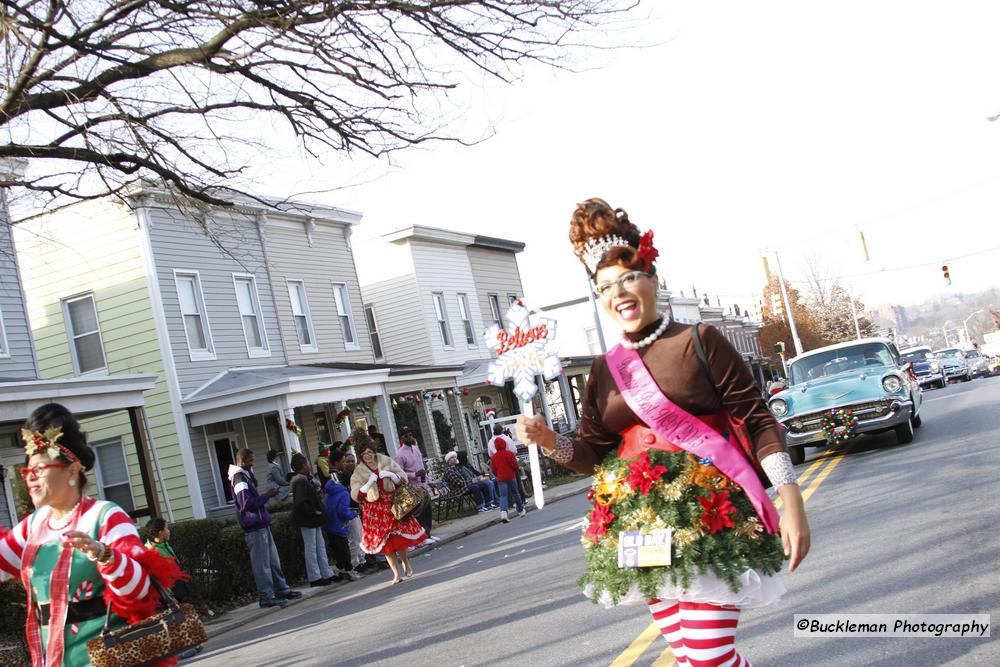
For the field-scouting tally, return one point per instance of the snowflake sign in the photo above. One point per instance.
(525, 350)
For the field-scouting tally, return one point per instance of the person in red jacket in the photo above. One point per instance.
(505, 468)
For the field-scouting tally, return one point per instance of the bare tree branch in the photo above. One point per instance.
(101, 92)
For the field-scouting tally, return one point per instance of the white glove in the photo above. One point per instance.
(390, 475)
(372, 481)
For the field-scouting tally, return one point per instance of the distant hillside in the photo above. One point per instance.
(926, 319)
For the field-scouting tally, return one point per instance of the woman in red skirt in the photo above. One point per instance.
(373, 484)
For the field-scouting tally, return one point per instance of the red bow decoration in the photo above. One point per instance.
(647, 251)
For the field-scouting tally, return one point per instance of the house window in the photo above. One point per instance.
(442, 317)
(511, 298)
(373, 331)
(495, 309)
(593, 341)
(86, 346)
(253, 320)
(463, 308)
(112, 475)
(303, 318)
(4, 348)
(343, 300)
(192, 304)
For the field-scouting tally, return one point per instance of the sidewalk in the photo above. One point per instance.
(451, 531)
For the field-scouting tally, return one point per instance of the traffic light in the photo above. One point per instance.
(779, 347)
(947, 276)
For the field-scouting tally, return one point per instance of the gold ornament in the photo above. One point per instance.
(675, 489)
(687, 536)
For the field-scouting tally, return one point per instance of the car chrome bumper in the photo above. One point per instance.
(929, 378)
(898, 416)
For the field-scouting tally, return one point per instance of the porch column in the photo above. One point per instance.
(145, 470)
(567, 398)
(454, 403)
(383, 408)
(544, 397)
(427, 429)
(345, 424)
(291, 441)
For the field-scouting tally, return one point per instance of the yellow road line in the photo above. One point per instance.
(820, 460)
(666, 658)
(637, 647)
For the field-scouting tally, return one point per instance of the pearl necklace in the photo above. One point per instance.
(648, 340)
(59, 524)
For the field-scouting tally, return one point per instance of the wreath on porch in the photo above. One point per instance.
(342, 415)
(293, 427)
(839, 426)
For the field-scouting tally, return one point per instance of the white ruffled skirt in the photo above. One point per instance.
(756, 590)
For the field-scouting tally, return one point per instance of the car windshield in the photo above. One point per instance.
(915, 357)
(950, 352)
(840, 360)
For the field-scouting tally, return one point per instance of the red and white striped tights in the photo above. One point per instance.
(700, 635)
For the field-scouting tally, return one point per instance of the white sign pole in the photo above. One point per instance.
(528, 410)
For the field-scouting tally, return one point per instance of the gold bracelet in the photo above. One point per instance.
(107, 555)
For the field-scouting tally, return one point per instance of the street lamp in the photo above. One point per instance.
(965, 324)
(944, 331)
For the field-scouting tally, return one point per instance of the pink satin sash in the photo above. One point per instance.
(676, 425)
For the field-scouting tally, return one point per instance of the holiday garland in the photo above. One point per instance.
(839, 426)
(293, 427)
(715, 528)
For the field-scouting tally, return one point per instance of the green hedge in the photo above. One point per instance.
(216, 555)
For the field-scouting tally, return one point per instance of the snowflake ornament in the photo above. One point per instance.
(525, 349)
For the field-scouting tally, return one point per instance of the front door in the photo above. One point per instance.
(224, 448)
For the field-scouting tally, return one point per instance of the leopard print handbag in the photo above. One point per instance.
(162, 635)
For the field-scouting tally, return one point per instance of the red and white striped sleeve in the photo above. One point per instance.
(123, 574)
(11, 547)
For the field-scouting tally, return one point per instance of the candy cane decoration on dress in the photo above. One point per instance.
(525, 350)
(84, 591)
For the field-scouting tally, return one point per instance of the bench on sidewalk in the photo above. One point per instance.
(452, 501)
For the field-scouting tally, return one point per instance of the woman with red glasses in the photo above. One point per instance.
(678, 439)
(74, 554)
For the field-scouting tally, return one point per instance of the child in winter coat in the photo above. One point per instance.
(505, 468)
(337, 505)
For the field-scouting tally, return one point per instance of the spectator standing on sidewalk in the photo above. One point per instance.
(411, 460)
(276, 478)
(458, 482)
(254, 519)
(343, 463)
(373, 484)
(307, 513)
(505, 468)
(339, 514)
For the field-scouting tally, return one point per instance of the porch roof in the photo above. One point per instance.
(476, 371)
(243, 392)
(88, 396)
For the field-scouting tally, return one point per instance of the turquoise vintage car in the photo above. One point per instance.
(866, 376)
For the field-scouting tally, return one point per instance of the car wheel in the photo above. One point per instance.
(942, 384)
(797, 454)
(917, 421)
(904, 432)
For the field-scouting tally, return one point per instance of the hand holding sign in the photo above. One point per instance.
(525, 349)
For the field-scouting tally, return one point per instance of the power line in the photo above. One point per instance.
(899, 268)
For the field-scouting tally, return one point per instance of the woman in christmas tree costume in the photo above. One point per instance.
(74, 554)
(660, 430)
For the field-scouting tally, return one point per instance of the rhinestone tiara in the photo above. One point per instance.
(595, 249)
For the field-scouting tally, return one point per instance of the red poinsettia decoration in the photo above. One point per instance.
(717, 510)
(600, 519)
(644, 473)
(647, 252)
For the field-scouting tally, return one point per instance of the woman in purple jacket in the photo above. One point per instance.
(411, 460)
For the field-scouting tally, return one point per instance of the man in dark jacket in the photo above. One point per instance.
(307, 513)
(251, 512)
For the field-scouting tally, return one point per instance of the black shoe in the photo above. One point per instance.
(277, 602)
(290, 595)
(320, 582)
(189, 652)
(335, 579)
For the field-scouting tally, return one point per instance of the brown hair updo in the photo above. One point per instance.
(595, 218)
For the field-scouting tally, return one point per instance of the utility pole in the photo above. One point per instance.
(788, 307)
(597, 317)
(854, 311)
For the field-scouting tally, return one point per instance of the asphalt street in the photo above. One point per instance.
(896, 529)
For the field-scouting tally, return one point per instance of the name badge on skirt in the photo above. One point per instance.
(644, 548)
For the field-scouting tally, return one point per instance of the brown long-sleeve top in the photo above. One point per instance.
(674, 365)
